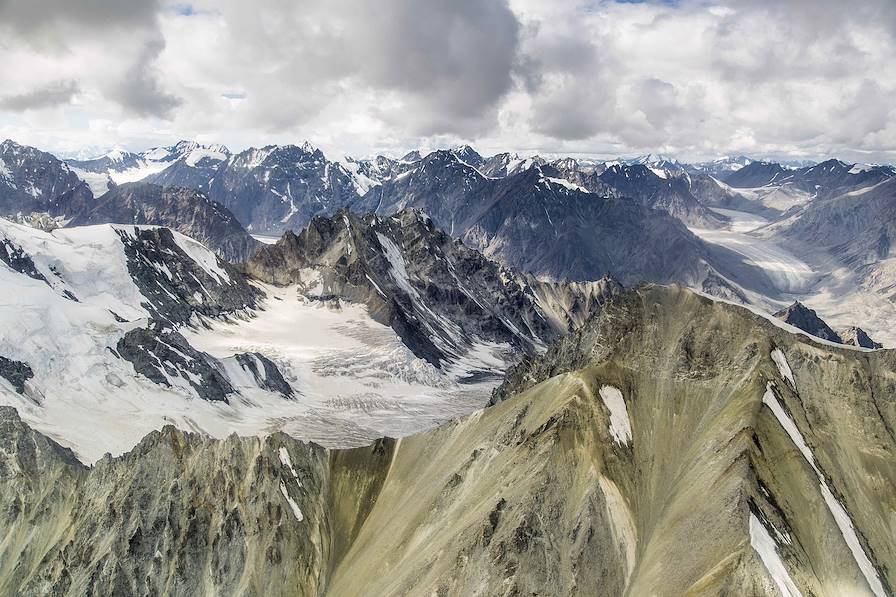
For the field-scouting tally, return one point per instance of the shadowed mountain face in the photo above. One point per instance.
(826, 179)
(806, 319)
(34, 181)
(856, 336)
(38, 189)
(537, 222)
(671, 194)
(674, 445)
(189, 212)
(279, 188)
(269, 189)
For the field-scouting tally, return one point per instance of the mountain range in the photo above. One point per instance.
(267, 372)
(650, 218)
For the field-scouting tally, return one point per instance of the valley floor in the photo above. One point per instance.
(804, 275)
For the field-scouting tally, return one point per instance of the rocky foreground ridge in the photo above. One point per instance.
(673, 445)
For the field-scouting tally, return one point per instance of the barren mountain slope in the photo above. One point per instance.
(675, 446)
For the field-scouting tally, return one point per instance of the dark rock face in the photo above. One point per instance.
(827, 179)
(468, 155)
(175, 285)
(16, 373)
(278, 188)
(806, 319)
(709, 192)
(189, 212)
(855, 336)
(160, 355)
(33, 181)
(18, 260)
(265, 373)
(437, 294)
(757, 174)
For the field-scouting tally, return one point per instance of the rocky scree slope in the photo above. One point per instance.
(674, 445)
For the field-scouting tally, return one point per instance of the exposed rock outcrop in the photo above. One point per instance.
(175, 285)
(16, 373)
(806, 319)
(856, 336)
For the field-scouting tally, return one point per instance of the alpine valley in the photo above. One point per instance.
(277, 372)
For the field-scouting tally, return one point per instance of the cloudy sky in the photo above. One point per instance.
(696, 79)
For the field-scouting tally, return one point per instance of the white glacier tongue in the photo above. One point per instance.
(841, 516)
(356, 381)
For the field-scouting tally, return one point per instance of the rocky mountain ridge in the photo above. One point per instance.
(674, 444)
(441, 297)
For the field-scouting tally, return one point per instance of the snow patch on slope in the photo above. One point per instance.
(286, 461)
(98, 182)
(839, 513)
(396, 264)
(620, 425)
(292, 504)
(200, 153)
(783, 366)
(565, 183)
(203, 257)
(139, 172)
(361, 181)
(765, 546)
